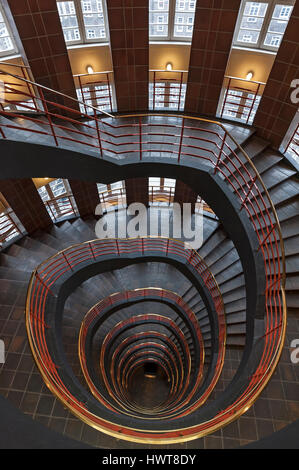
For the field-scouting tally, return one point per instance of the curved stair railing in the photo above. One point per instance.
(43, 289)
(43, 286)
(143, 135)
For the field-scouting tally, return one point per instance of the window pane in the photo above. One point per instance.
(57, 187)
(69, 21)
(184, 18)
(252, 22)
(6, 43)
(94, 21)
(170, 183)
(282, 12)
(273, 40)
(250, 37)
(158, 18)
(278, 25)
(153, 181)
(255, 9)
(43, 193)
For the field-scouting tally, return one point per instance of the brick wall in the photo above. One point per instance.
(276, 111)
(183, 194)
(128, 22)
(41, 34)
(214, 27)
(137, 190)
(86, 196)
(22, 196)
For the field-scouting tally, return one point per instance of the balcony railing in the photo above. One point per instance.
(241, 99)
(113, 198)
(60, 207)
(210, 143)
(293, 145)
(8, 227)
(17, 94)
(95, 89)
(159, 195)
(167, 89)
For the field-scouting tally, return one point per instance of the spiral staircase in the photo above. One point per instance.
(147, 341)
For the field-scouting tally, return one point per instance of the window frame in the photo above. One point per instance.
(265, 27)
(170, 37)
(82, 28)
(11, 36)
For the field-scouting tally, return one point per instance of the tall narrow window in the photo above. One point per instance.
(278, 25)
(94, 21)
(69, 21)
(161, 191)
(10, 225)
(7, 44)
(184, 19)
(158, 18)
(58, 199)
(171, 19)
(263, 24)
(83, 20)
(252, 22)
(112, 195)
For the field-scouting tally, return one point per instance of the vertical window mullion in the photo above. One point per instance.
(266, 24)
(171, 17)
(81, 25)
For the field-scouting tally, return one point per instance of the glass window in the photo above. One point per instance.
(171, 19)
(69, 21)
(7, 45)
(252, 22)
(278, 25)
(93, 16)
(158, 18)
(263, 24)
(57, 187)
(83, 20)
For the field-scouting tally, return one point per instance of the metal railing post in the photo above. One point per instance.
(140, 138)
(180, 91)
(48, 115)
(225, 96)
(253, 103)
(220, 152)
(154, 91)
(82, 93)
(181, 140)
(98, 132)
(109, 92)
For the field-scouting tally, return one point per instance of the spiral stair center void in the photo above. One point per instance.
(133, 335)
(152, 385)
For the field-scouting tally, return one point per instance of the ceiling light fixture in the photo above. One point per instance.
(249, 75)
(89, 69)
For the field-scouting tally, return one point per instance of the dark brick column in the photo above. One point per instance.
(22, 196)
(276, 111)
(183, 194)
(41, 34)
(86, 196)
(137, 191)
(129, 30)
(214, 26)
